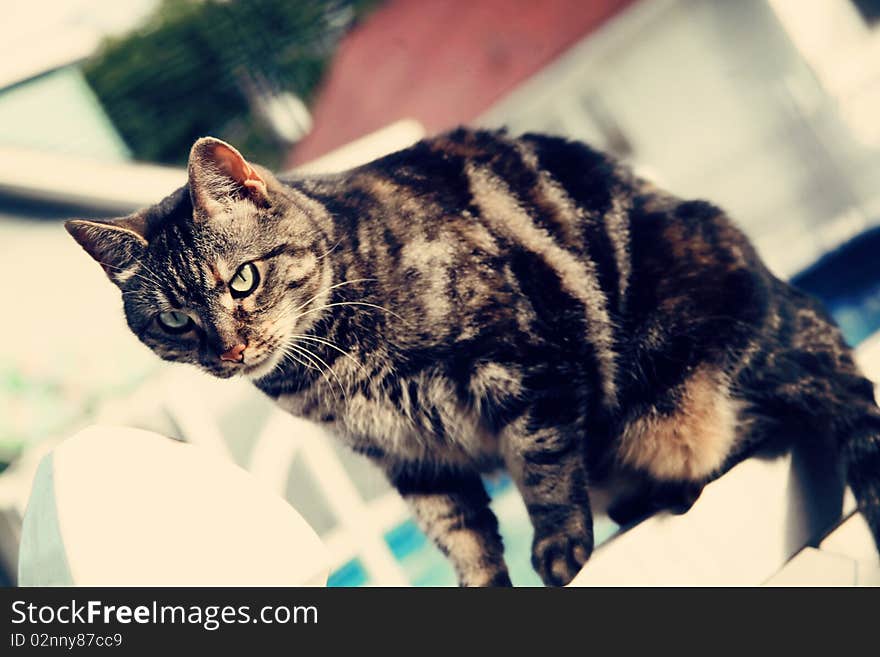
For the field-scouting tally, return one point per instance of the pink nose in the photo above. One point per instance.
(234, 354)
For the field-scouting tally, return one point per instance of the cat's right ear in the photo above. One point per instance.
(115, 245)
(218, 174)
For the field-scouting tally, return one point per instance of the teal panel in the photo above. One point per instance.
(42, 558)
(58, 112)
(351, 573)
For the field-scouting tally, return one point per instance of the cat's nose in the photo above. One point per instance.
(234, 354)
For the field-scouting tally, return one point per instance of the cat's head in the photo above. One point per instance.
(221, 273)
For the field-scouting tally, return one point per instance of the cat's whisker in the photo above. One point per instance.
(332, 287)
(350, 303)
(332, 346)
(332, 249)
(288, 350)
(288, 356)
(308, 351)
(310, 356)
(150, 279)
(153, 274)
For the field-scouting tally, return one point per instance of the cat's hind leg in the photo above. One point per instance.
(852, 419)
(652, 496)
(812, 385)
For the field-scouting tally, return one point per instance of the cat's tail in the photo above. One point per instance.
(860, 449)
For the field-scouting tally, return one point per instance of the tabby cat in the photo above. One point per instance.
(479, 301)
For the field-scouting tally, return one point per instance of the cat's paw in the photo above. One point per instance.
(559, 555)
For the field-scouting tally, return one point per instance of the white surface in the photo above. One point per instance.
(393, 137)
(38, 36)
(107, 185)
(166, 513)
(868, 358)
(812, 567)
(847, 557)
(853, 540)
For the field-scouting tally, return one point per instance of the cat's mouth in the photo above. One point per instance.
(263, 364)
(254, 366)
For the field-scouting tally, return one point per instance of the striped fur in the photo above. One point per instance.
(479, 301)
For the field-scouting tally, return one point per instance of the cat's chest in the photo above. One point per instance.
(411, 420)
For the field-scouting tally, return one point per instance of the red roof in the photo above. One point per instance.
(441, 62)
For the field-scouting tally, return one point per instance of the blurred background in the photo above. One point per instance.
(767, 107)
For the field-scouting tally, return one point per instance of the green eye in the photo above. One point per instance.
(245, 280)
(174, 321)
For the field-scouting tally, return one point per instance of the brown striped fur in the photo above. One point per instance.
(479, 301)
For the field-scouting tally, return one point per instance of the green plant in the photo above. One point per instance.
(195, 67)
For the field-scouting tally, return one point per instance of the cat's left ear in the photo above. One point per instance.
(116, 245)
(218, 174)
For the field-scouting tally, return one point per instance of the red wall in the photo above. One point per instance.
(442, 62)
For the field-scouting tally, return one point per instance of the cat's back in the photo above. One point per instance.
(548, 177)
(489, 193)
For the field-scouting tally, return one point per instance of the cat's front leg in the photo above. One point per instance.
(547, 466)
(452, 508)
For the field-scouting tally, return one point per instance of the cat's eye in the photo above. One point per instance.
(245, 280)
(174, 321)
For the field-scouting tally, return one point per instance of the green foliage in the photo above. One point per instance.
(192, 68)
